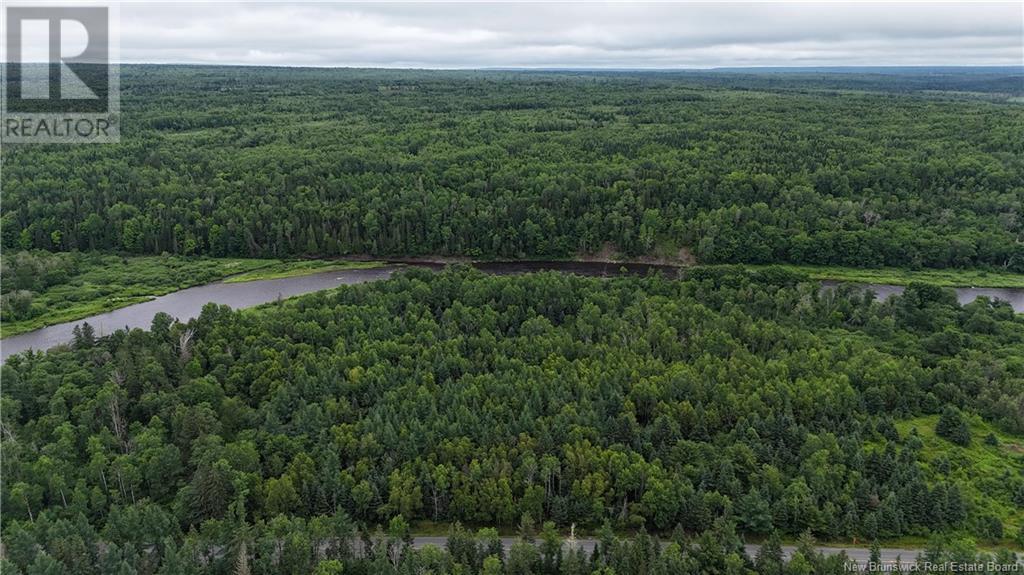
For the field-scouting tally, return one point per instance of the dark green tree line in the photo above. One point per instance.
(272, 162)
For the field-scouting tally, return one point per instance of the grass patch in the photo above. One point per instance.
(71, 313)
(299, 268)
(946, 277)
(987, 475)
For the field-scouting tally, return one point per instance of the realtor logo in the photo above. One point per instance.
(60, 85)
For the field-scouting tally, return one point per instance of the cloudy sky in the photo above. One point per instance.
(608, 35)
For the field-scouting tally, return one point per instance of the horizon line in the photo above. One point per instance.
(755, 67)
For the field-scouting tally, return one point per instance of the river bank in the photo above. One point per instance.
(107, 282)
(186, 304)
(43, 288)
(951, 278)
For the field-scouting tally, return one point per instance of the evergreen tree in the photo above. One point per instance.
(242, 560)
(953, 427)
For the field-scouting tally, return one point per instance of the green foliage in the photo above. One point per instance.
(953, 427)
(298, 268)
(269, 162)
(897, 276)
(543, 399)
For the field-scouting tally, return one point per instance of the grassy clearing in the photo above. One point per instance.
(986, 474)
(106, 282)
(73, 312)
(894, 276)
(299, 268)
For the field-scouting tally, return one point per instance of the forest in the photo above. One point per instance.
(914, 170)
(316, 434)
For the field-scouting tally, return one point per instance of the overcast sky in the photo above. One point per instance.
(608, 35)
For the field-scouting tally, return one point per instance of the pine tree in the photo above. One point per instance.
(769, 559)
(953, 427)
(242, 561)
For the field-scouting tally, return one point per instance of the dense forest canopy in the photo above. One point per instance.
(749, 398)
(922, 168)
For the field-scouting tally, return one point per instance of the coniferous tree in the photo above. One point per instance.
(952, 426)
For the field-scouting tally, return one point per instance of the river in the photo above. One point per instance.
(1013, 296)
(187, 303)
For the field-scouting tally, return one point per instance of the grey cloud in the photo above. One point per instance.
(654, 35)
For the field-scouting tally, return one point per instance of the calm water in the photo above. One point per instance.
(186, 304)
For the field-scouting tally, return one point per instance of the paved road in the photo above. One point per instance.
(861, 556)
